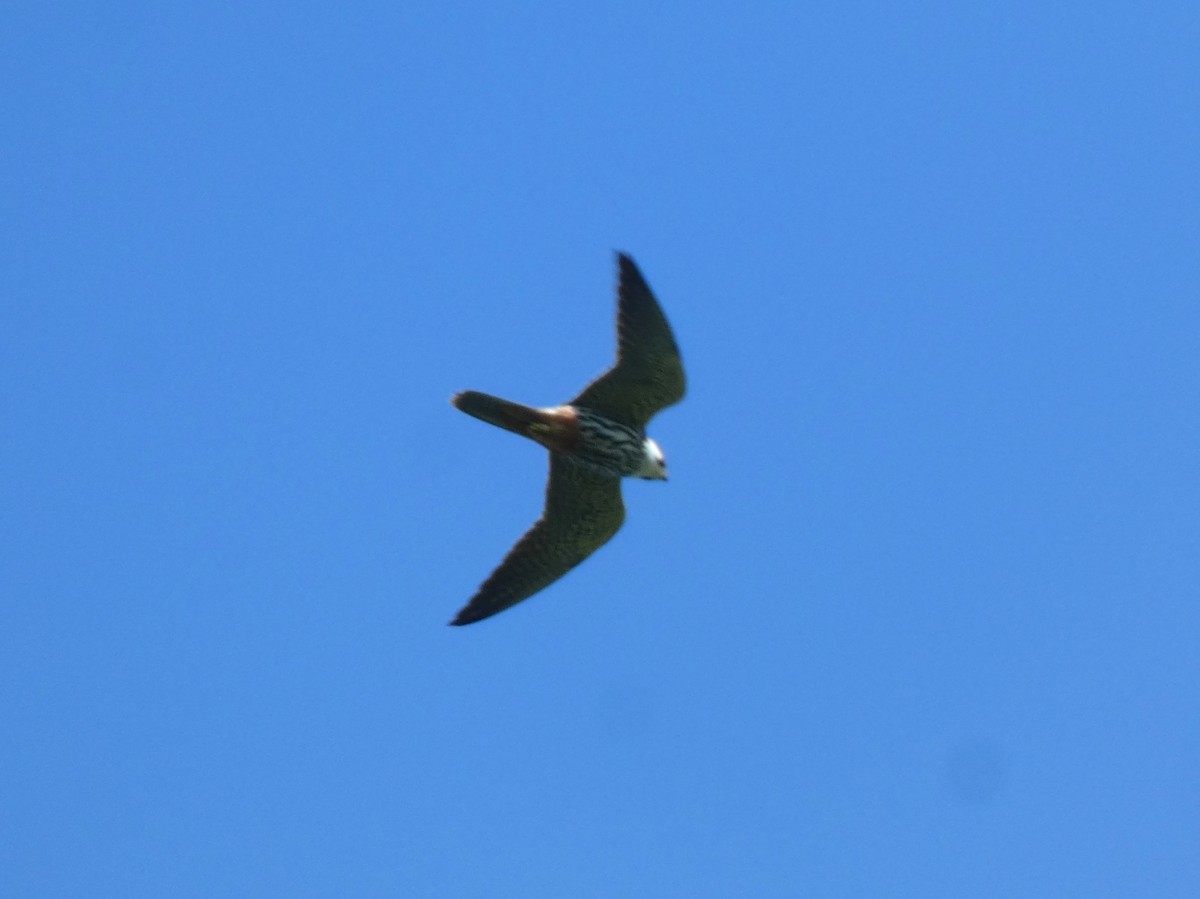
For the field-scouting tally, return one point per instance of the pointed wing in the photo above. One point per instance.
(583, 511)
(648, 374)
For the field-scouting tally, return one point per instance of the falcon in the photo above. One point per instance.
(594, 440)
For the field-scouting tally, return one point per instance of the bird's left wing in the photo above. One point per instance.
(583, 510)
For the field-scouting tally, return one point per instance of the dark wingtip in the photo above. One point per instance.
(466, 615)
(628, 272)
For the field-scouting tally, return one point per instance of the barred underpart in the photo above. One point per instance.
(606, 446)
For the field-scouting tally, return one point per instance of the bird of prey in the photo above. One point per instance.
(594, 440)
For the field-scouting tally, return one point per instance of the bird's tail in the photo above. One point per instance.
(501, 413)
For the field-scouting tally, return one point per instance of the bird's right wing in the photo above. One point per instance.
(648, 374)
(583, 511)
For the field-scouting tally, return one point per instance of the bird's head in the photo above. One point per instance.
(654, 463)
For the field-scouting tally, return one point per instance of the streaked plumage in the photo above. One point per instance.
(594, 440)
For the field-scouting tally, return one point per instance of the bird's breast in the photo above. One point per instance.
(606, 445)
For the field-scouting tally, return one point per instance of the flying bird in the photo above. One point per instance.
(594, 440)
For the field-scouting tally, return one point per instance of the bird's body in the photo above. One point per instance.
(594, 441)
(587, 438)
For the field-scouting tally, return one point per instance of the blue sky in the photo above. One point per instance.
(915, 615)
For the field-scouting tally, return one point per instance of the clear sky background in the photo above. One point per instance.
(917, 613)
